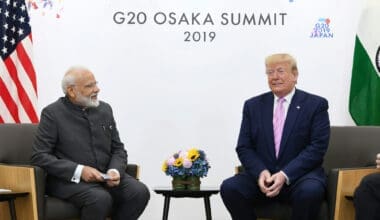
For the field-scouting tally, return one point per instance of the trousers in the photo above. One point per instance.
(367, 198)
(241, 194)
(126, 201)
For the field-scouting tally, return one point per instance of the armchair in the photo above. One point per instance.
(350, 156)
(17, 173)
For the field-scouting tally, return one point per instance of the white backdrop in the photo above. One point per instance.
(169, 94)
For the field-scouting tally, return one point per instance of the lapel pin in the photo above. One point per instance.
(298, 107)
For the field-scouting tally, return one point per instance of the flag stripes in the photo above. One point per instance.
(18, 82)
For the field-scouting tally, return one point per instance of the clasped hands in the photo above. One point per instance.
(269, 184)
(90, 174)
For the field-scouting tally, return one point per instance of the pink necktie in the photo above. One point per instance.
(278, 123)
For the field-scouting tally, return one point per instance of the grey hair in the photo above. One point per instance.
(69, 78)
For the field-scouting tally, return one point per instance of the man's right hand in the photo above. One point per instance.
(265, 181)
(90, 174)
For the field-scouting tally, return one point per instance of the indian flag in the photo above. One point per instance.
(364, 103)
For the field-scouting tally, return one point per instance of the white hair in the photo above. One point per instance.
(69, 78)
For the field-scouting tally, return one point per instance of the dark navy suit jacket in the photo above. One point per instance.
(304, 140)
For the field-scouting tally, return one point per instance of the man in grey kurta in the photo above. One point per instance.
(78, 145)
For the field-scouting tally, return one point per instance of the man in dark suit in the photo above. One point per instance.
(283, 138)
(78, 145)
(367, 196)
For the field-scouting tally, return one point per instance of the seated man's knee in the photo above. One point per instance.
(310, 190)
(95, 202)
(370, 180)
(102, 199)
(228, 188)
(367, 185)
(137, 194)
(225, 187)
(143, 194)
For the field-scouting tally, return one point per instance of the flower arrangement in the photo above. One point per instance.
(192, 162)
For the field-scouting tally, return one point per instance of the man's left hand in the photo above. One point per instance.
(278, 180)
(114, 178)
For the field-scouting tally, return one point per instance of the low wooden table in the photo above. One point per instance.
(10, 197)
(204, 193)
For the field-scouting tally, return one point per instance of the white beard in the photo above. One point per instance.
(88, 102)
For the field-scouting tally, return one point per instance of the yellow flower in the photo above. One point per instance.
(178, 162)
(193, 154)
(164, 166)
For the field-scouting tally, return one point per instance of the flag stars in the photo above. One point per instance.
(4, 50)
(13, 25)
(14, 29)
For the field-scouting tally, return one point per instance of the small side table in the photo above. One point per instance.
(10, 197)
(204, 193)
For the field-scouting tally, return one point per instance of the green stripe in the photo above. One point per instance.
(364, 103)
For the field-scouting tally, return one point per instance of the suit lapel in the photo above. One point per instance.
(267, 113)
(294, 109)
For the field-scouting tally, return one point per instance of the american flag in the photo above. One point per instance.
(18, 83)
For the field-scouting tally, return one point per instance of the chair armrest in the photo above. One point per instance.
(345, 180)
(20, 178)
(133, 170)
